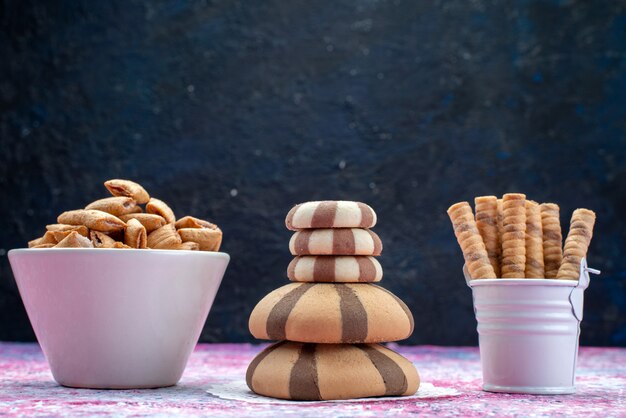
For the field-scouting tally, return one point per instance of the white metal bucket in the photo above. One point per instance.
(528, 332)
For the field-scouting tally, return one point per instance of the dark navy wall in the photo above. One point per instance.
(235, 111)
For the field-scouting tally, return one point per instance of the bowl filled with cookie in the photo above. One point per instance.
(117, 293)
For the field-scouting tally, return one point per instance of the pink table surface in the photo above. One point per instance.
(27, 388)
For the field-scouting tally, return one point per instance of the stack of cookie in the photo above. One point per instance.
(330, 320)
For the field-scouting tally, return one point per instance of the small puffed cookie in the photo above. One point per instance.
(135, 235)
(81, 229)
(340, 241)
(164, 238)
(74, 240)
(331, 313)
(101, 240)
(330, 214)
(207, 239)
(92, 219)
(127, 188)
(48, 238)
(329, 268)
(117, 206)
(150, 221)
(159, 207)
(311, 372)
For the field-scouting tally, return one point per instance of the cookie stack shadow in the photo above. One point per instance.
(329, 322)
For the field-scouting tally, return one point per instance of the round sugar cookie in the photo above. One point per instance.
(330, 214)
(330, 268)
(311, 372)
(340, 241)
(331, 313)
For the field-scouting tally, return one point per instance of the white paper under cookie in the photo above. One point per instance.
(239, 391)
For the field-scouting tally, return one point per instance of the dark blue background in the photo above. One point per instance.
(235, 111)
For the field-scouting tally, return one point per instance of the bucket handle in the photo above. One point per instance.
(576, 297)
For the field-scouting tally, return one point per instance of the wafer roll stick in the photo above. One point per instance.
(487, 224)
(552, 239)
(119, 187)
(576, 243)
(500, 222)
(514, 235)
(470, 241)
(534, 242)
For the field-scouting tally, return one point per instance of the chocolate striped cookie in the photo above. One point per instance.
(311, 372)
(328, 268)
(341, 241)
(330, 214)
(331, 313)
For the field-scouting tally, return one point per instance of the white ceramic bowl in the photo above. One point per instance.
(113, 318)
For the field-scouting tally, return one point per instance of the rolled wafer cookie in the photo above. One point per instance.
(115, 205)
(500, 222)
(500, 218)
(164, 238)
(514, 236)
(135, 235)
(92, 219)
(159, 207)
(487, 224)
(309, 372)
(331, 313)
(552, 239)
(470, 241)
(576, 243)
(150, 221)
(74, 240)
(330, 214)
(328, 268)
(534, 242)
(120, 187)
(338, 241)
